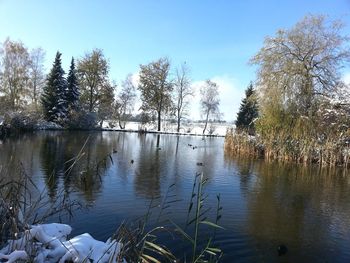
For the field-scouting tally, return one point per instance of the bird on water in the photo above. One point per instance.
(282, 250)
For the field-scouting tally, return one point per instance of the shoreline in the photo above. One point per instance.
(163, 132)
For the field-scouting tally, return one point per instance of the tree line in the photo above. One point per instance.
(87, 95)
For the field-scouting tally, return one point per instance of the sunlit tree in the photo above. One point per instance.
(156, 88)
(14, 73)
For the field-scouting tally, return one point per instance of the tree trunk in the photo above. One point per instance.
(90, 106)
(206, 122)
(121, 125)
(121, 117)
(159, 114)
(178, 121)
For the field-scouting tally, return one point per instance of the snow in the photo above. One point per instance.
(14, 256)
(215, 129)
(48, 243)
(47, 125)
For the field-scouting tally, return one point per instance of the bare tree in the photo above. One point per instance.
(125, 100)
(155, 88)
(14, 70)
(182, 92)
(37, 76)
(210, 101)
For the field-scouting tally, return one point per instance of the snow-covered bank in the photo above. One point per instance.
(48, 243)
(213, 129)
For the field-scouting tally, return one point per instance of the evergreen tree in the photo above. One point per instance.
(54, 95)
(248, 111)
(73, 93)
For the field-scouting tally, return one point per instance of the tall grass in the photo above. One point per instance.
(23, 204)
(331, 150)
(141, 241)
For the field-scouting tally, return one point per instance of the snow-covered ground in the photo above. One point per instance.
(47, 243)
(217, 129)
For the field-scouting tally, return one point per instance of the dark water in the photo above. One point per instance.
(264, 205)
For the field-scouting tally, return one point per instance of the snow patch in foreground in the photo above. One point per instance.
(48, 243)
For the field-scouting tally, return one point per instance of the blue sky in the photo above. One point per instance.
(215, 38)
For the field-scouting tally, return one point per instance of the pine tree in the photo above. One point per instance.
(73, 93)
(248, 111)
(54, 93)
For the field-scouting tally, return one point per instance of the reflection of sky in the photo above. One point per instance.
(263, 204)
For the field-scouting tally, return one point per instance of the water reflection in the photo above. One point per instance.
(52, 161)
(76, 161)
(265, 204)
(147, 174)
(299, 206)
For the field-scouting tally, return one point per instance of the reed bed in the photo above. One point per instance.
(333, 150)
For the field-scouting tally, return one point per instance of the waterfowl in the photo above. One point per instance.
(282, 250)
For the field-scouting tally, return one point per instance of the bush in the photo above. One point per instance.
(82, 120)
(20, 121)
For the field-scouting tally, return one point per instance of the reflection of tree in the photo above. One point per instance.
(205, 155)
(244, 167)
(287, 204)
(17, 155)
(92, 165)
(147, 180)
(59, 158)
(52, 159)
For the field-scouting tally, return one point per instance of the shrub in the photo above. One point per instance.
(82, 120)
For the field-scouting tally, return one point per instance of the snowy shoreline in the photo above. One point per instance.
(162, 132)
(190, 129)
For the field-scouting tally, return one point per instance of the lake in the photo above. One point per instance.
(118, 174)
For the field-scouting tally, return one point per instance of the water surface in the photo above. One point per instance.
(264, 204)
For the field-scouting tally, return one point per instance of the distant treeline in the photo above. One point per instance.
(87, 96)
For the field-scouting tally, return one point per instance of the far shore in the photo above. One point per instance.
(188, 129)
